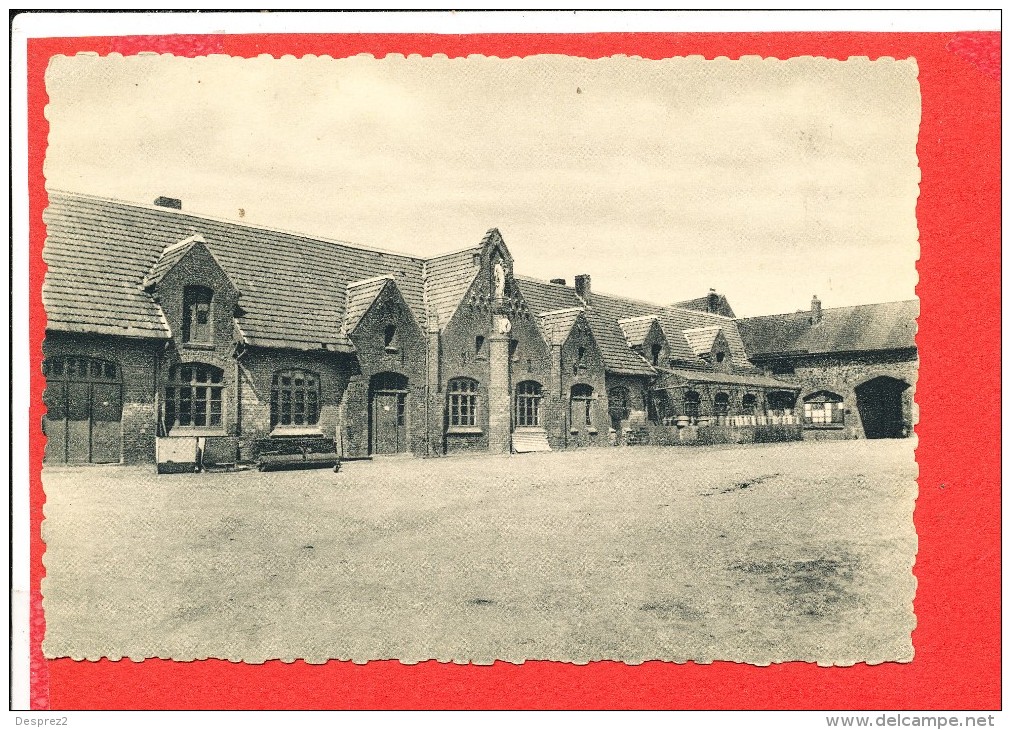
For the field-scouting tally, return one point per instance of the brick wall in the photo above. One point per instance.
(257, 368)
(585, 369)
(406, 356)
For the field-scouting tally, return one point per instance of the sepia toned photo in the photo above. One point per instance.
(480, 359)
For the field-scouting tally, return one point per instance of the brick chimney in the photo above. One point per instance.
(815, 309)
(162, 202)
(583, 287)
(713, 302)
(558, 281)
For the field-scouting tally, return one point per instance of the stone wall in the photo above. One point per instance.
(842, 375)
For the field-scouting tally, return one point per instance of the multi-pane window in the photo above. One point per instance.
(581, 405)
(528, 403)
(193, 396)
(462, 402)
(823, 409)
(294, 398)
(691, 404)
(721, 404)
(197, 315)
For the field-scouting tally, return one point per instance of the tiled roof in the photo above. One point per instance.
(292, 287)
(617, 355)
(636, 328)
(674, 322)
(866, 327)
(677, 378)
(701, 338)
(543, 297)
(447, 279)
(557, 324)
(360, 295)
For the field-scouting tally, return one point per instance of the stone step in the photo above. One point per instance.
(529, 440)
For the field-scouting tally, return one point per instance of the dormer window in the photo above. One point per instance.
(197, 315)
(656, 353)
(721, 356)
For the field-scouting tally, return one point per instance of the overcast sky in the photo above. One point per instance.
(767, 180)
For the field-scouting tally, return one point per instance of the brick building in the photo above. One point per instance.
(165, 326)
(856, 366)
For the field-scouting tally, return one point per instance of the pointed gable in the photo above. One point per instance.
(361, 295)
(637, 328)
(558, 324)
(701, 339)
(174, 254)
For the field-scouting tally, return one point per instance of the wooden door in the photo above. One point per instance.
(84, 402)
(386, 438)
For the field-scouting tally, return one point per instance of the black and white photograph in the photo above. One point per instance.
(480, 359)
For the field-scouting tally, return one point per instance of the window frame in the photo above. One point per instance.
(463, 405)
(527, 404)
(824, 409)
(310, 386)
(587, 398)
(193, 295)
(176, 387)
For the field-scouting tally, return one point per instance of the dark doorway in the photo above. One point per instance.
(879, 402)
(619, 406)
(84, 404)
(388, 413)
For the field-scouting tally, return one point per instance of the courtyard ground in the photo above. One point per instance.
(759, 553)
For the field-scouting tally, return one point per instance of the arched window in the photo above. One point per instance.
(528, 403)
(193, 396)
(462, 402)
(749, 404)
(197, 315)
(691, 404)
(294, 398)
(824, 408)
(581, 405)
(656, 350)
(721, 404)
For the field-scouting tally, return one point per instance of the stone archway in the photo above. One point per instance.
(879, 403)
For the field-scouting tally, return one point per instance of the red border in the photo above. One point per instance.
(957, 639)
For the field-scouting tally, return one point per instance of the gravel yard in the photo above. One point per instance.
(760, 553)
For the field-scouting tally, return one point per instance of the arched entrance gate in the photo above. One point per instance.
(880, 405)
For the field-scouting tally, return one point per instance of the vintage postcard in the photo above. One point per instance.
(332, 322)
(435, 364)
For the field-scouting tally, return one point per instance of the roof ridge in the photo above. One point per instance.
(563, 310)
(370, 280)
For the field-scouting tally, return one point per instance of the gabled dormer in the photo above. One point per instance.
(646, 337)
(198, 298)
(711, 346)
(382, 327)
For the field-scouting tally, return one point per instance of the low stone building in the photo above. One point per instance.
(856, 366)
(165, 327)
